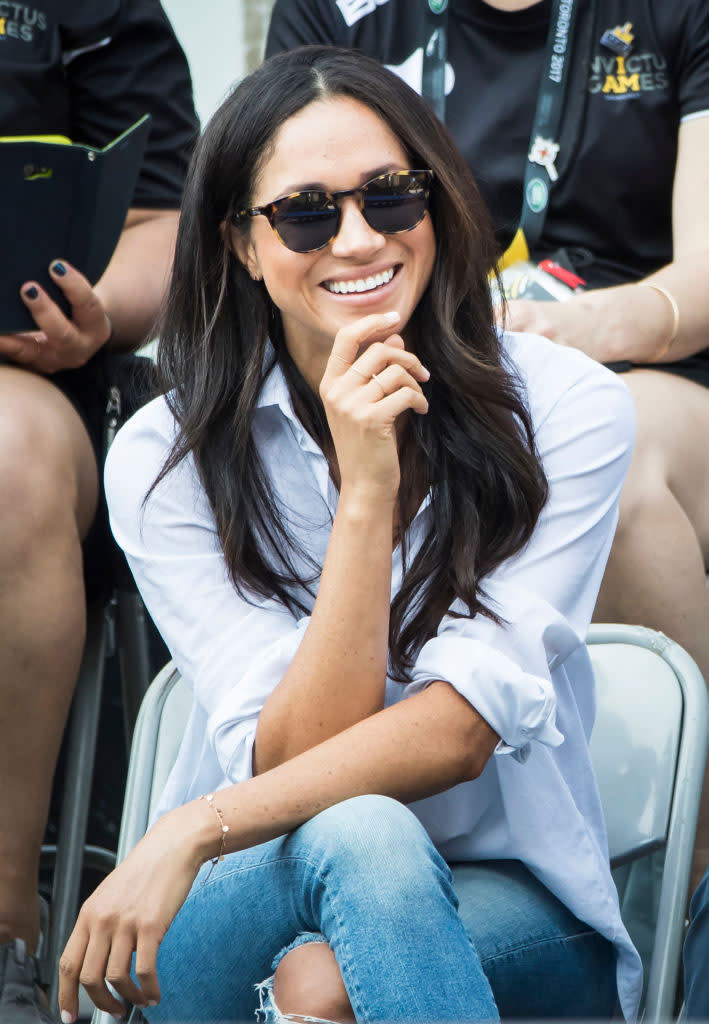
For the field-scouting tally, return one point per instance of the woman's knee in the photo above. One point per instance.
(377, 845)
(308, 983)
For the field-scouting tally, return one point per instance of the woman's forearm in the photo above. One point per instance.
(338, 674)
(132, 288)
(639, 320)
(423, 745)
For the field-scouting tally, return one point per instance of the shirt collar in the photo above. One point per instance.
(275, 394)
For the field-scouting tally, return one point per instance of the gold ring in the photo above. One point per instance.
(377, 381)
(342, 360)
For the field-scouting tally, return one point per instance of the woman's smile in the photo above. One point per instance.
(363, 285)
(340, 144)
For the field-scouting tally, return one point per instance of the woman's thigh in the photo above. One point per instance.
(541, 961)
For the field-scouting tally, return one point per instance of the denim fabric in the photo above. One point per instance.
(365, 874)
(696, 955)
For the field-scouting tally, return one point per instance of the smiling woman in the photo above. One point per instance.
(371, 530)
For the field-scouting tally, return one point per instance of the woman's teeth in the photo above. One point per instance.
(362, 284)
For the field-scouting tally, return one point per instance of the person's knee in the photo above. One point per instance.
(308, 983)
(38, 467)
(376, 845)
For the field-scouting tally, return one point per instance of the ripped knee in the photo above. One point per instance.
(307, 986)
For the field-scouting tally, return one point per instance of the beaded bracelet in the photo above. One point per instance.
(209, 797)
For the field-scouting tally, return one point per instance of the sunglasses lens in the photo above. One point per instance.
(306, 221)
(396, 202)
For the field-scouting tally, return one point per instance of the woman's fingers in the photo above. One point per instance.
(389, 380)
(118, 968)
(69, 969)
(146, 964)
(349, 339)
(91, 969)
(399, 401)
(380, 355)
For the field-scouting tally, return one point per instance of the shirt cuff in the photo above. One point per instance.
(519, 706)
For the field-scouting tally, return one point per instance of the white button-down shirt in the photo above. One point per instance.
(531, 678)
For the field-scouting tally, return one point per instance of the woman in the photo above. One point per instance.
(373, 537)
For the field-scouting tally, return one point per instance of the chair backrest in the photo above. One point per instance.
(648, 749)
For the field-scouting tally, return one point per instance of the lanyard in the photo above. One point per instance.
(433, 79)
(544, 146)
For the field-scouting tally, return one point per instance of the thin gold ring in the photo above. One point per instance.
(342, 359)
(376, 379)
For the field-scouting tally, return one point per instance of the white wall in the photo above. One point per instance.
(222, 39)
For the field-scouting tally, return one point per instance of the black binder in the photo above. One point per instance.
(61, 201)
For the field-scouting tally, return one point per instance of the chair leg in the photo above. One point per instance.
(133, 654)
(77, 791)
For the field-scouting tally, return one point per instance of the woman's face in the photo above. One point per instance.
(334, 144)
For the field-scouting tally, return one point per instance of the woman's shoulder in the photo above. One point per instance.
(136, 458)
(548, 372)
(147, 436)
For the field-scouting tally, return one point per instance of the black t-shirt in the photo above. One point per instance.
(613, 196)
(89, 69)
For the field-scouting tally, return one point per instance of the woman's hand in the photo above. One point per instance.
(363, 396)
(130, 912)
(59, 343)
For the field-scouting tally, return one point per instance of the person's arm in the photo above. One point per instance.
(338, 674)
(420, 747)
(634, 323)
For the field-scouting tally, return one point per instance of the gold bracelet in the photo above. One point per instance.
(675, 313)
(223, 829)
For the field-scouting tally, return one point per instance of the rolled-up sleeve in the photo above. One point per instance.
(545, 595)
(231, 652)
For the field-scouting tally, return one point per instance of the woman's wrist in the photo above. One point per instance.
(200, 831)
(366, 502)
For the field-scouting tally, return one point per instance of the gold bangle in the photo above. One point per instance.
(675, 313)
(223, 829)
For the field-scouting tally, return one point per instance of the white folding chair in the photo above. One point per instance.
(648, 750)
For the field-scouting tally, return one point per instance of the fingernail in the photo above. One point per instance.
(67, 1018)
(153, 1002)
(31, 292)
(59, 269)
(426, 373)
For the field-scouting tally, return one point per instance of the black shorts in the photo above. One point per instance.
(694, 367)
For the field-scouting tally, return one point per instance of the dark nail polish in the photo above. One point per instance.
(31, 292)
(59, 269)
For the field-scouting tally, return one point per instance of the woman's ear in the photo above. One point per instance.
(242, 247)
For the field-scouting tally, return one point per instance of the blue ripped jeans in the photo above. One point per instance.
(414, 941)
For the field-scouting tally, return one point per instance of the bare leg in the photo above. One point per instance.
(308, 983)
(656, 572)
(47, 501)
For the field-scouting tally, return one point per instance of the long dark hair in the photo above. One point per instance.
(474, 450)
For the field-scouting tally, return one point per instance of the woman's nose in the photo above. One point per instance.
(355, 237)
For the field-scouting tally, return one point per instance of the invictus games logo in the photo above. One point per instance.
(18, 21)
(625, 74)
(438, 6)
